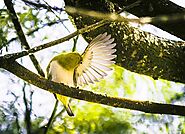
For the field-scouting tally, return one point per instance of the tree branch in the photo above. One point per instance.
(21, 35)
(156, 8)
(118, 18)
(144, 106)
(137, 51)
(55, 42)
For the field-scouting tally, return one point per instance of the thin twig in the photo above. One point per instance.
(21, 35)
(27, 114)
(75, 43)
(62, 111)
(51, 117)
(130, 6)
(39, 5)
(51, 10)
(17, 122)
(37, 29)
(15, 56)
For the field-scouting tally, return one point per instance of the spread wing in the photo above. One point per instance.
(96, 60)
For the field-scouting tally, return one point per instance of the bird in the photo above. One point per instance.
(74, 69)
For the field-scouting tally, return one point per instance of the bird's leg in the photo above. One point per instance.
(74, 79)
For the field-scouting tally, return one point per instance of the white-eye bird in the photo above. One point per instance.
(76, 70)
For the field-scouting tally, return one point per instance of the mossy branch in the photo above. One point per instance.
(34, 79)
(116, 17)
(138, 51)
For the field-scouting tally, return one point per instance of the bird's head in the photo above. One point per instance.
(68, 61)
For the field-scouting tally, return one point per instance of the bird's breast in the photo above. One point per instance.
(60, 74)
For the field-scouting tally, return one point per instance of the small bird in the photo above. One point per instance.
(74, 69)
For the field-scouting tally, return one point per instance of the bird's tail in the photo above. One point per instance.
(65, 101)
(69, 111)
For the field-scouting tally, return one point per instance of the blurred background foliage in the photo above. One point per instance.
(38, 24)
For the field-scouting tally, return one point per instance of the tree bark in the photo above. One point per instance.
(137, 51)
(152, 8)
(34, 79)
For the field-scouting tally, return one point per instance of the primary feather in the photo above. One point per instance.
(96, 60)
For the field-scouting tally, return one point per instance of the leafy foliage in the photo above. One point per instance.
(94, 118)
(3, 40)
(3, 28)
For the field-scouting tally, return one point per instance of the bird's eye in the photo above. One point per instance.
(80, 62)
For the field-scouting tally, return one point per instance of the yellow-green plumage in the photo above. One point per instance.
(68, 60)
(62, 69)
(73, 69)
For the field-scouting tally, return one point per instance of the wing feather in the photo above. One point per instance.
(96, 60)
